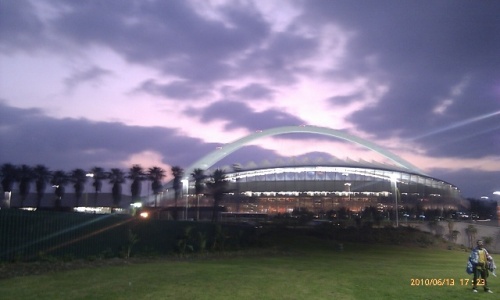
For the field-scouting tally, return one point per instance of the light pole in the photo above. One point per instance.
(395, 181)
(348, 185)
(91, 175)
(497, 193)
(237, 170)
(185, 190)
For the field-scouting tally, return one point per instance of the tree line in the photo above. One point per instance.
(41, 176)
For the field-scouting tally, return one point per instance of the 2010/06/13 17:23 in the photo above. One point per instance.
(443, 282)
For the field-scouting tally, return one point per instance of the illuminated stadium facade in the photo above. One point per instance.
(323, 188)
(325, 185)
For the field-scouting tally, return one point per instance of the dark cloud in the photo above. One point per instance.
(422, 51)
(32, 138)
(175, 39)
(483, 183)
(280, 58)
(20, 27)
(340, 100)
(247, 155)
(240, 115)
(254, 91)
(176, 90)
(92, 74)
(167, 35)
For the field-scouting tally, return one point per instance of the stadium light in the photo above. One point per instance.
(395, 182)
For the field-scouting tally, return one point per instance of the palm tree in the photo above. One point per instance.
(25, 177)
(8, 173)
(136, 174)
(58, 181)
(42, 176)
(99, 175)
(78, 177)
(177, 172)
(156, 174)
(198, 176)
(116, 178)
(217, 186)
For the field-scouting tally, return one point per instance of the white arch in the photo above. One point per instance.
(210, 159)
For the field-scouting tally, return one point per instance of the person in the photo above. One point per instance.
(479, 264)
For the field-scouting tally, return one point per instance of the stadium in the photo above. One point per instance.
(318, 185)
(323, 185)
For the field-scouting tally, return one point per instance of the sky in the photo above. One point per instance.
(162, 83)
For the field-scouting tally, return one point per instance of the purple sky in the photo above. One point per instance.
(160, 83)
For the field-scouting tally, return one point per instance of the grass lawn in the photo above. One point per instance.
(301, 270)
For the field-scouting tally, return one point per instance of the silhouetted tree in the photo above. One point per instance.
(98, 174)
(116, 178)
(344, 213)
(156, 175)
(483, 209)
(78, 177)
(217, 185)
(42, 175)
(25, 177)
(371, 213)
(136, 174)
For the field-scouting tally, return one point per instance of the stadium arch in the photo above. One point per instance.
(322, 187)
(210, 159)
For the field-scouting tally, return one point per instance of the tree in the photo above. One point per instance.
(199, 177)
(156, 175)
(177, 172)
(42, 175)
(471, 232)
(451, 226)
(136, 174)
(116, 178)
(8, 172)
(344, 213)
(25, 177)
(482, 209)
(78, 177)
(217, 186)
(99, 175)
(372, 214)
(58, 181)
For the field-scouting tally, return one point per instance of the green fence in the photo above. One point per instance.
(26, 235)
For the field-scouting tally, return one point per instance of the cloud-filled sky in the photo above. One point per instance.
(161, 83)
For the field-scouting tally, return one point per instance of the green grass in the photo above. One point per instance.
(301, 270)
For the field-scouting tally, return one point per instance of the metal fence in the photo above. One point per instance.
(35, 235)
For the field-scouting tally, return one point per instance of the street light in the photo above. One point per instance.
(498, 206)
(91, 175)
(395, 181)
(348, 185)
(185, 190)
